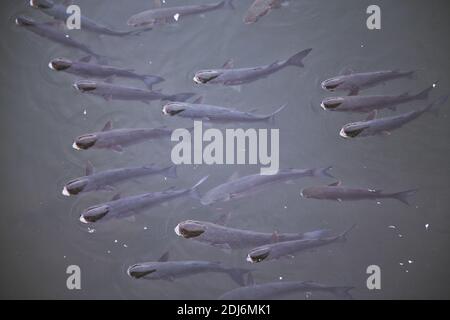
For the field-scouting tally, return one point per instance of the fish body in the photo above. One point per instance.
(274, 290)
(160, 16)
(49, 31)
(353, 82)
(288, 248)
(170, 270)
(91, 70)
(59, 12)
(111, 91)
(214, 113)
(375, 126)
(245, 186)
(105, 180)
(340, 193)
(362, 104)
(231, 76)
(230, 238)
(123, 207)
(260, 8)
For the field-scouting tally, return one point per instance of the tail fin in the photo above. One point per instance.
(194, 192)
(238, 275)
(343, 235)
(151, 80)
(181, 97)
(228, 4)
(434, 107)
(342, 292)
(316, 234)
(404, 195)
(271, 117)
(424, 94)
(171, 172)
(296, 60)
(323, 172)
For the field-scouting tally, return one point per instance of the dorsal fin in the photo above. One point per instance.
(89, 168)
(229, 64)
(372, 115)
(198, 100)
(335, 184)
(86, 59)
(115, 197)
(108, 126)
(164, 257)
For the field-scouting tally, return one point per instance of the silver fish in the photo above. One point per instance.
(288, 248)
(230, 238)
(230, 76)
(160, 16)
(59, 12)
(117, 139)
(111, 91)
(123, 207)
(260, 8)
(49, 31)
(170, 270)
(337, 192)
(215, 113)
(106, 180)
(353, 82)
(362, 104)
(375, 126)
(276, 290)
(245, 186)
(90, 70)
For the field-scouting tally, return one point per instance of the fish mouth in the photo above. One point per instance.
(65, 192)
(24, 21)
(41, 4)
(350, 133)
(134, 271)
(258, 255)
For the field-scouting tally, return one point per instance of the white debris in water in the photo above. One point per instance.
(392, 227)
(85, 112)
(150, 62)
(378, 202)
(64, 257)
(308, 294)
(400, 236)
(410, 261)
(91, 230)
(434, 85)
(109, 251)
(67, 36)
(285, 207)
(115, 241)
(145, 228)
(176, 16)
(362, 45)
(426, 226)
(281, 278)
(406, 271)
(401, 263)
(125, 246)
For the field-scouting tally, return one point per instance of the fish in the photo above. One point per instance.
(247, 185)
(335, 191)
(260, 8)
(215, 113)
(274, 290)
(84, 68)
(288, 248)
(354, 82)
(230, 76)
(160, 16)
(111, 91)
(106, 180)
(117, 139)
(226, 238)
(59, 12)
(118, 208)
(49, 31)
(376, 126)
(163, 269)
(363, 104)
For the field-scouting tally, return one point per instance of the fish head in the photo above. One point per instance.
(85, 85)
(42, 4)
(60, 64)
(189, 229)
(74, 187)
(85, 142)
(332, 103)
(25, 21)
(173, 108)
(95, 213)
(353, 130)
(205, 76)
(311, 192)
(141, 270)
(258, 254)
(332, 84)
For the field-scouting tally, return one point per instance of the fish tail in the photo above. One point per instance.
(297, 59)
(434, 107)
(271, 117)
(425, 93)
(181, 97)
(194, 192)
(151, 80)
(323, 172)
(404, 195)
(342, 292)
(171, 172)
(343, 235)
(238, 275)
